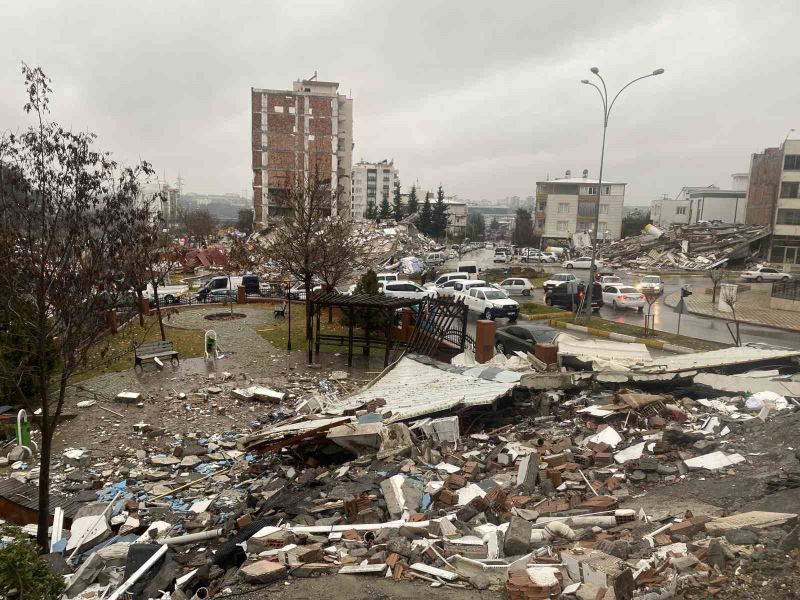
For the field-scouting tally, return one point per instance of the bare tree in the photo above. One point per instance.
(244, 222)
(343, 252)
(728, 295)
(62, 210)
(296, 242)
(198, 223)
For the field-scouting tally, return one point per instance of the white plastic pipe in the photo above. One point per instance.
(162, 550)
(191, 537)
(58, 526)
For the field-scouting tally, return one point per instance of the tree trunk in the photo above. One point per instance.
(158, 313)
(308, 320)
(140, 297)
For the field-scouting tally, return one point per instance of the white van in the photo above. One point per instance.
(461, 288)
(218, 287)
(444, 278)
(435, 258)
(470, 267)
(387, 277)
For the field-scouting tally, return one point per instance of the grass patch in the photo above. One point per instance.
(114, 353)
(277, 333)
(636, 331)
(532, 308)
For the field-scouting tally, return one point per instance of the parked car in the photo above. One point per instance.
(523, 338)
(219, 287)
(761, 273)
(387, 277)
(460, 288)
(517, 285)
(492, 303)
(652, 284)
(167, 294)
(533, 255)
(623, 296)
(435, 258)
(558, 279)
(569, 294)
(610, 280)
(550, 257)
(298, 291)
(403, 289)
(500, 257)
(582, 262)
(470, 267)
(444, 278)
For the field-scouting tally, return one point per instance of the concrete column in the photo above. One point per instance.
(484, 340)
(241, 296)
(111, 321)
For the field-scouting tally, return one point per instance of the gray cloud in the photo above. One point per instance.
(482, 97)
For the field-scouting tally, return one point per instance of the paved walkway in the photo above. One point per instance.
(752, 306)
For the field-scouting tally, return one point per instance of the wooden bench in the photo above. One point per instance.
(280, 312)
(152, 350)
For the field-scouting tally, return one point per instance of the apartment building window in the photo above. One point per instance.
(602, 228)
(279, 109)
(563, 207)
(591, 191)
(561, 226)
(791, 162)
(608, 191)
(790, 189)
(604, 209)
(788, 216)
(681, 210)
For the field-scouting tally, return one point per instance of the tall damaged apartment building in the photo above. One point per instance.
(296, 133)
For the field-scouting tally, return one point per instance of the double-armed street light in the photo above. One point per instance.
(606, 114)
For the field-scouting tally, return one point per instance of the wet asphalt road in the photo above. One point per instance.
(666, 319)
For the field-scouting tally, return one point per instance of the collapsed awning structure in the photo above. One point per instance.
(727, 357)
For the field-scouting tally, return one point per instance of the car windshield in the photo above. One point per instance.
(650, 280)
(495, 295)
(612, 279)
(628, 290)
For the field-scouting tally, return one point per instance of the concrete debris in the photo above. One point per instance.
(695, 247)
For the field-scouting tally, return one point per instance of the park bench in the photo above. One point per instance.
(153, 350)
(280, 312)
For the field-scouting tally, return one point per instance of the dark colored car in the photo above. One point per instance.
(509, 339)
(251, 284)
(570, 294)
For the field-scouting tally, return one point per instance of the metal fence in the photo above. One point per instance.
(786, 290)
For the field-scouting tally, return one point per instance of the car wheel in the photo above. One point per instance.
(512, 318)
(487, 314)
(614, 304)
(548, 300)
(526, 292)
(759, 279)
(500, 348)
(169, 299)
(785, 278)
(569, 266)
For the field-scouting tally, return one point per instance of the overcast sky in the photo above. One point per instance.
(482, 97)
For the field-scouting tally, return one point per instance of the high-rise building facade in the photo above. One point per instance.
(371, 182)
(773, 198)
(296, 134)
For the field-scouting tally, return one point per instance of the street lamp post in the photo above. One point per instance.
(606, 113)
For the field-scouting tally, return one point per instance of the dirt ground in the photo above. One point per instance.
(358, 588)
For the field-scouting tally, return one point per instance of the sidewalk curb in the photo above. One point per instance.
(542, 316)
(619, 337)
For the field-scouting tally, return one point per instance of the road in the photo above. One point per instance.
(666, 319)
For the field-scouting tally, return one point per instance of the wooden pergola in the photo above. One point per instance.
(350, 305)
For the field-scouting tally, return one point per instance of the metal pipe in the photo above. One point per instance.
(192, 537)
(58, 526)
(162, 550)
(200, 594)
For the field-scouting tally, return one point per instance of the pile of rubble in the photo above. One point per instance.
(462, 477)
(696, 247)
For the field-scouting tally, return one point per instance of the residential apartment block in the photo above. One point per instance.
(297, 133)
(693, 204)
(372, 182)
(569, 205)
(773, 198)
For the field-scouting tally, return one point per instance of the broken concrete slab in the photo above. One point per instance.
(714, 461)
(262, 571)
(753, 520)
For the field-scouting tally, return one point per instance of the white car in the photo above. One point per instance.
(549, 257)
(387, 277)
(610, 280)
(517, 285)
(461, 288)
(558, 279)
(652, 284)
(491, 303)
(582, 262)
(623, 296)
(764, 274)
(403, 289)
(500, 258)
(444, 278)
(298, 291)
(167, 294)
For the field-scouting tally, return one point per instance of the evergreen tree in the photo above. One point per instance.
(397, 207)
(371, 213)
(523, 228)
(367, 319)
(425, 222)
(413, 203)
(476, 226)
(386, 210)
(439, 218)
